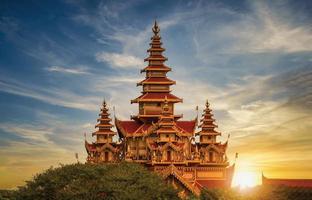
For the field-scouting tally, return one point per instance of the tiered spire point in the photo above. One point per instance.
(207, 104)
(156, 28)
(156, 85)
(207, 122)
(104, 126)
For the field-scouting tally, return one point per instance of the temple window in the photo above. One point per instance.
(210, 156)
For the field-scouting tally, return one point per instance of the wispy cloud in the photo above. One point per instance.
(53, 96)
(261, 30)
(77, 71)
(119, 60)
(33, 133)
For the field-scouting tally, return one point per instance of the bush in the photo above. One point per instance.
(220, 194)
(258, 193)
(92, 182)
(6, 194)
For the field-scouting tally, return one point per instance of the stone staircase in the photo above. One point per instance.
(172, 170)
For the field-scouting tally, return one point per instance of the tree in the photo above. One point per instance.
(93, 182)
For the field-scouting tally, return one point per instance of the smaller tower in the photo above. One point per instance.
(210, 150)
(208, 134)
(104, 149)
(104, 134)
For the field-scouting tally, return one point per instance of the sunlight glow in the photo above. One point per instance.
(245, 179)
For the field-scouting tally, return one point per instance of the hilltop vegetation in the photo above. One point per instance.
(92, 182)
(259, 193)
(128, 181)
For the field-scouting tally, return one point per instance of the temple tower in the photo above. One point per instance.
(208, 134)
(211, 151)
(104, 149)
(156, 85)
(104, 134)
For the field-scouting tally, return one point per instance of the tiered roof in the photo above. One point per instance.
(159, 96)
(166, 122)
(157, 81)
(133, 128)
(156, 72)
(103, 127)
(104, 122)
(207, 122)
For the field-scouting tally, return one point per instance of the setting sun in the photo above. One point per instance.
(245, 179)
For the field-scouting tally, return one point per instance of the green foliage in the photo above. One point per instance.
(129, 181)
(258, 193)
(92, 182)
(6, 194)
(220, 194)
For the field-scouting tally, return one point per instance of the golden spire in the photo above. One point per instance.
(156, 29)
(207, 103)
(104, 103)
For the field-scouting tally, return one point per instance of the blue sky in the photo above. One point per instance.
(59, 59)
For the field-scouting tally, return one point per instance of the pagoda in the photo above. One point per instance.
(159, 139)
(104, 149)
(156, 85)
(211, 152)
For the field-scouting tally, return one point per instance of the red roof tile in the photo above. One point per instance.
(159, 96)
(156, 96)
(287, 182)
(143, 128)
(187, 126)
(156, 49)
(160, 80)
(157, 67)
(130, 126)
(156, 56)
(90, 147)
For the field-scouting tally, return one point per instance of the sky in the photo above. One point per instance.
(251, 60)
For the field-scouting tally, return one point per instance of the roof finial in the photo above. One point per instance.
(207, 103)
(156, 29)
(104, 103)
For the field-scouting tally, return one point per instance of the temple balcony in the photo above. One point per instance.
(214, 163)
(167, 139)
